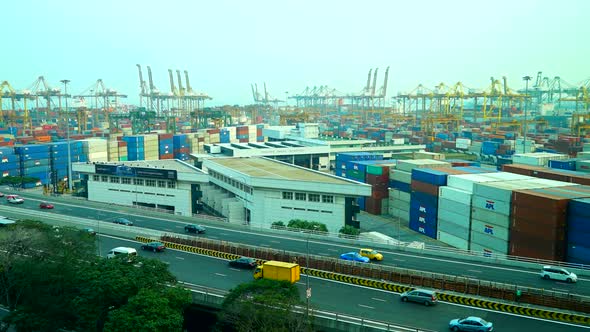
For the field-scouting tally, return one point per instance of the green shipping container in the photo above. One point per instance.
(355, 174)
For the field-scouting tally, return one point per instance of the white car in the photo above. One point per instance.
(14, 199)
(558, 273)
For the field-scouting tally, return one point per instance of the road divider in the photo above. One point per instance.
(386, 285)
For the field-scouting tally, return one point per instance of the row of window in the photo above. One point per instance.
(134, 181)
(231, 181)
(308, 197)
(302, 209)
(139, 192)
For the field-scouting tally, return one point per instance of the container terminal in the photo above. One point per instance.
(498, 170)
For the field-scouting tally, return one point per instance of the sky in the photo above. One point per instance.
(228, 45)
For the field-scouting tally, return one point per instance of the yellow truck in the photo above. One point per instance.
(278, 271)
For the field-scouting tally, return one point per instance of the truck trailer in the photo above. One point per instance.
(275, 270)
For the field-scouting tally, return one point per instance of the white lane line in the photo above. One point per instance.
(223, 234)
(221, 275)
(398, 260)
(178, 226)
(323, 254)
(476, 271)
(237, 270)
(264, 245)
(561, 290)
(330, 249)
(376, 299)
(181, 258)
(366, 306)
(168, 229)
(274, 241)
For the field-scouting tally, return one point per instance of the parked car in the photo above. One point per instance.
(558, 273)
(123, 221)
(371, 254)
(197, 229)
(244, 263)
(424, 296)
(154, 246)
(354, 256)
(45, 205)
(471, 324)
(14, 199)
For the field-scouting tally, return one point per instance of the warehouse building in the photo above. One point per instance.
(170, 185)
(262, 191)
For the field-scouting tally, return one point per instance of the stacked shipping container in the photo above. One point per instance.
(165, 146)
(181, 147)
(578, 231)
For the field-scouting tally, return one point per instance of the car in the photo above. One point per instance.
(197, 229)
(424, 296)
(89, 231)
(557, 273)
(14, 199)
(154, 246)
(123, 221)
(471, 324)
(45, 205)
(354, 256)
(371, 254)
(244, 263)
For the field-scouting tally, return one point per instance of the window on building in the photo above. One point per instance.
(138, 182)
(287, 195)
(162, 184)
(327, 199)
(313, 197)
(171, 184)
(126, 180)
(300, 196)
(115, 179)
(104, 178)
(150, 183)
(96, 178)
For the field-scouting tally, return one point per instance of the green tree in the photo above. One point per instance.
(263, 305)
(310, 225)
(349, 230)
(151, 310)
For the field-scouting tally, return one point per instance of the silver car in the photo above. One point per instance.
(558, 273)
(424, 296)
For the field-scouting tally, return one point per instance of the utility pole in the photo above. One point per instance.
(65, 83)
(526, 100)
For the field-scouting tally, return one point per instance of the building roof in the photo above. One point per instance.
(269, 168)
(171, 164)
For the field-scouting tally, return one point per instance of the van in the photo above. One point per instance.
(122, 251)
(14, 199)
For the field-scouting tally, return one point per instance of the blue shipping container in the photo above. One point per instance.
(578, 254)
(402, 186)
(431, 176)
(419, 227)
(361, 202)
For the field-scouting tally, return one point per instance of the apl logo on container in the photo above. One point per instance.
(422, 209)
(487, 253)
(490, 205)
(488, 229)
(422, 220)
(422, 230)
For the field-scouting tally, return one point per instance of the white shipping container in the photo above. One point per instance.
(401, 214)
(450, 227)
(429, 155)
(503, 190)
(405, 197)
(463, 141)
(484, 251)
(401, 205)
(409, 165)
(453, 240)
(465, 181)
(454, 194)
(490, 229)
(489, 241)
(537, 158)
(384, 206)
(492, 205)
(401, 176)
(507, 176)
(457, 219)
(454, 206)
(495, 218)
(583, 166)
(397, 141)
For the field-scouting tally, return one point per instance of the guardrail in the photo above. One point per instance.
(398, 279)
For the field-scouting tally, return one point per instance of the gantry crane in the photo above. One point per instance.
(103, 105)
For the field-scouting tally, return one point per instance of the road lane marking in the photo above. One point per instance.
(561, 290)
(366, 306)
(177, 257)
(168, 229)
(237, 270)
(178, 226)
(397, 259)
(221, 275)
(476, 271)
(330, 249)
(264, 245)
(223, 234)
(376, 299)
(274, 241)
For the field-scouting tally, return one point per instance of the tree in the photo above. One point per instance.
(310, 225)
(263, 305)
(52, 280)
(349, 230)
(151, 310)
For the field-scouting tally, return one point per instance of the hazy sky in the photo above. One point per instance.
(227, 45)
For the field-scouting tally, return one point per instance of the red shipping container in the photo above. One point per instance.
(373, 206)
(424, 187)
(378, 193)
(526, 245)
(378, 179)
(166, 156)
(243, 140)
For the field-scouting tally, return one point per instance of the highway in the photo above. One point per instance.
(339, 297)
(451, 266)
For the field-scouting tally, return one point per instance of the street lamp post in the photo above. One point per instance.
(526, 79)
(65, 83)
(308, 288)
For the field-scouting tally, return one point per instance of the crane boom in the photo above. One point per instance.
(368, 87)
(189, 89)
(265, 94)
(152, 87)
(180, 87)
(172, 87)
(141, 81)
(385, 82)
(374, 82)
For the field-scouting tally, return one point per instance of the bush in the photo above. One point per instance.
(349, 230)
(310, 225)
(277, 224)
